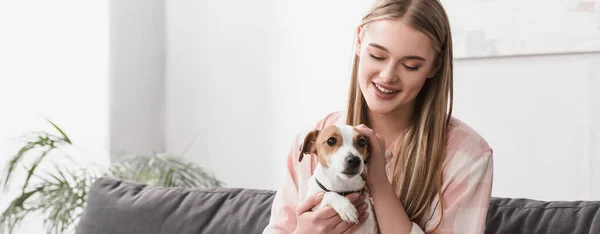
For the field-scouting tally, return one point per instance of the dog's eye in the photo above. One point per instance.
(362, 142)
(331, 141)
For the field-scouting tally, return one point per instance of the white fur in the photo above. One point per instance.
(342, 206)
(333, 179)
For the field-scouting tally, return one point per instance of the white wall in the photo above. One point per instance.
(53, 63)
(539, 114)
(137, 64)
(219, 97)
(594, 128)
(279, 67)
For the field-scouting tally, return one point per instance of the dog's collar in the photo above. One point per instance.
(340, 193)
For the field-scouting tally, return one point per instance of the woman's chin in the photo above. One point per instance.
(378, 106)
(381, 109)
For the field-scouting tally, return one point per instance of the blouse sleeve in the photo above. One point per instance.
(466, 194)
(283, 209)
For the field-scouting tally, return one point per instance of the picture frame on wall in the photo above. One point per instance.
(496, 28)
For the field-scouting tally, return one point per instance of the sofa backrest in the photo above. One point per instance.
(126, 207)
(509, 215)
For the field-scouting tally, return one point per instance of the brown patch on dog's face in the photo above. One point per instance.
(323, 143)
(361, 143)
(328, 142)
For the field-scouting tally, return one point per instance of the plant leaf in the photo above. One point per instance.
(65, 137)
(162, 170)
(14, 161)
(31, 170)
(16, 211)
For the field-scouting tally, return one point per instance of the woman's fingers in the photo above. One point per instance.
(355, 197)
(342, 226)
(354, 227)
(361, 208)
(365, 130)
(309, 203)
(325, 213)
(375, 140)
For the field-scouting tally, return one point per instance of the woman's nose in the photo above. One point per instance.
(388, 74)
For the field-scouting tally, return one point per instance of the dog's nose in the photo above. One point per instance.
(353, 161)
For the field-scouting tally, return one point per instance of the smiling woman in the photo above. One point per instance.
(427, 172)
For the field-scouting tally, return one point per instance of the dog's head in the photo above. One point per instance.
(339, 148)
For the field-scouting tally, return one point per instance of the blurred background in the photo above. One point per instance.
(227, 84)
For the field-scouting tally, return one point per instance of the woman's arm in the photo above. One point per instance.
(389, 211)
(391, 216)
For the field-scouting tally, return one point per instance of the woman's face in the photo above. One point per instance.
(395, 60)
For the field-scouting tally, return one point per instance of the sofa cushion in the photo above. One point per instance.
(511, 215)
(126, 207)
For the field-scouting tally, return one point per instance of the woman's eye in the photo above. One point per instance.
(331, 141)
(362, 142)
(411, 68)
(375, 57)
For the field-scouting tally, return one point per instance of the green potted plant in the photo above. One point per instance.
(59, 194)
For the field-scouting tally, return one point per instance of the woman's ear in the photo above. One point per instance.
(433, 72)
(359, 32)
(437, 65)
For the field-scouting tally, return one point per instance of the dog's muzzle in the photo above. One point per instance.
(352, 165)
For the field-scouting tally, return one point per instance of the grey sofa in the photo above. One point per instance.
(125, 207)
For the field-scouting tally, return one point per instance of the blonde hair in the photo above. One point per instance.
(416, 171)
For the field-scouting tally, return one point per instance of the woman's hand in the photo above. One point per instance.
(375, 171)
(326, 219)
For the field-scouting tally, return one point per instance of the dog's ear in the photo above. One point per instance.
(308, 146)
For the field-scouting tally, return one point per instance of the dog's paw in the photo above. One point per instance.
(342, 206)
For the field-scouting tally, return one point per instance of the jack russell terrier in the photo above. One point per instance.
(342, 152)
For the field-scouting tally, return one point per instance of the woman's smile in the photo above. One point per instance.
(384, 92)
